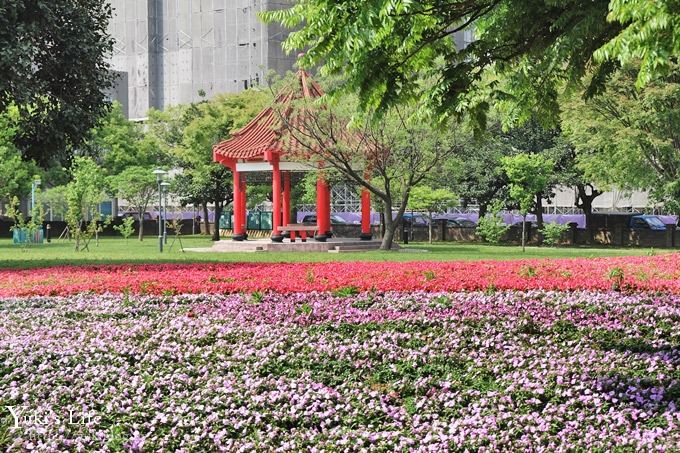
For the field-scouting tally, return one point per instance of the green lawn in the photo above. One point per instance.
(117, 251)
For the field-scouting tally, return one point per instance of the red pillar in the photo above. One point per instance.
(323, 209)
(276, 202)
(286, 198)
(238, 233)
(327, 204)
(244, 215)
(365, 215)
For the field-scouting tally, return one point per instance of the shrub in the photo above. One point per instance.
(552, 233)
(491, 228)
(127, 228)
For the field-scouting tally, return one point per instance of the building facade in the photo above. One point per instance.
(170, 52)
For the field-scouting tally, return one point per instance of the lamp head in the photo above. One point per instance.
(159, 173)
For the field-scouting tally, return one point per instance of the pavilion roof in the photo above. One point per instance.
(265, 132)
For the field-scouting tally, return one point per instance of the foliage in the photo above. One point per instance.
(191, 131)
(651, 36)
(127, 228)
(552, 232)
(15, 173)
(522, 54)
(30, 225)
(54, 201)
(122, 143)
(528, 175)
(83, 194)
(388, 154)
(491, 227)
(628, 138)
(54, 68)
(429, 200)
(137, 185)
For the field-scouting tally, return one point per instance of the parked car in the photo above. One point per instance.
(335, 220)
(646, 222)
(530, 223)
(460, 223)
(415, 219)
(135, 215)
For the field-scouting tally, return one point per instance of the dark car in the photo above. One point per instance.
(647, 222)
(461, 223)
(530, 224)
(135, 215)
(414, 219)
(335, 220)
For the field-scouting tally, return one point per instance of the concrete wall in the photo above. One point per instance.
(171, 49)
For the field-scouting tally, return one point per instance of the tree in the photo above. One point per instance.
(127, 228)
(628, 138)
(15, 174)
(136, 184)
(54, 201)
(203, 185)
(476, 172)
(83, 194)
(387, 154)
(121, 143)
(385, 48)
(529, 175)
(54, 69)
(191, 131)
(429, 200)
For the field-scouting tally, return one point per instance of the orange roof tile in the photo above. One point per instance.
(265, 131)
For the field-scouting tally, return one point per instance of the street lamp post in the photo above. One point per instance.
(165, 186)
(34, 186)
(159, 176)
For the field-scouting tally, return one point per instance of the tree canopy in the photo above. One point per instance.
(523, 50)
(629, 138)
(53, 61)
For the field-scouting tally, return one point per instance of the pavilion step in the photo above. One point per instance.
(355, 248)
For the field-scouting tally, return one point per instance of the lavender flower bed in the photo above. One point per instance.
(380, 372)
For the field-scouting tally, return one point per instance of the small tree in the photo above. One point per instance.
(552, 233)
(137, 185)
(529, 175)
(429, 200)
(83, 194)
(127, 228)
(491, 227)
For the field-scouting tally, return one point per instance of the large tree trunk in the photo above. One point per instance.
(539, 217)
(206, 219)
(584, 201)
(216, 223)
(390, 228)
(483, 207)
(141, 224)
(524, 235)
(429, 228)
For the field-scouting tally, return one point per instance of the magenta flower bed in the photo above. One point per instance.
(396, 371)
(648, 273)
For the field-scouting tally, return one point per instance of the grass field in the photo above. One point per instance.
(117, 251)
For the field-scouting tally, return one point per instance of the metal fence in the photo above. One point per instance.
(257, 220)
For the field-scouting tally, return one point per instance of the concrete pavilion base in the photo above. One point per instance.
(333, 245)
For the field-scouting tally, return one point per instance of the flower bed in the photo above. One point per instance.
(513, 371)
(657, 273)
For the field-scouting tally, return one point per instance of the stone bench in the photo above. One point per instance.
(294, 228)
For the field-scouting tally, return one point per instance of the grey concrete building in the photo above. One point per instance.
(170, 50)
